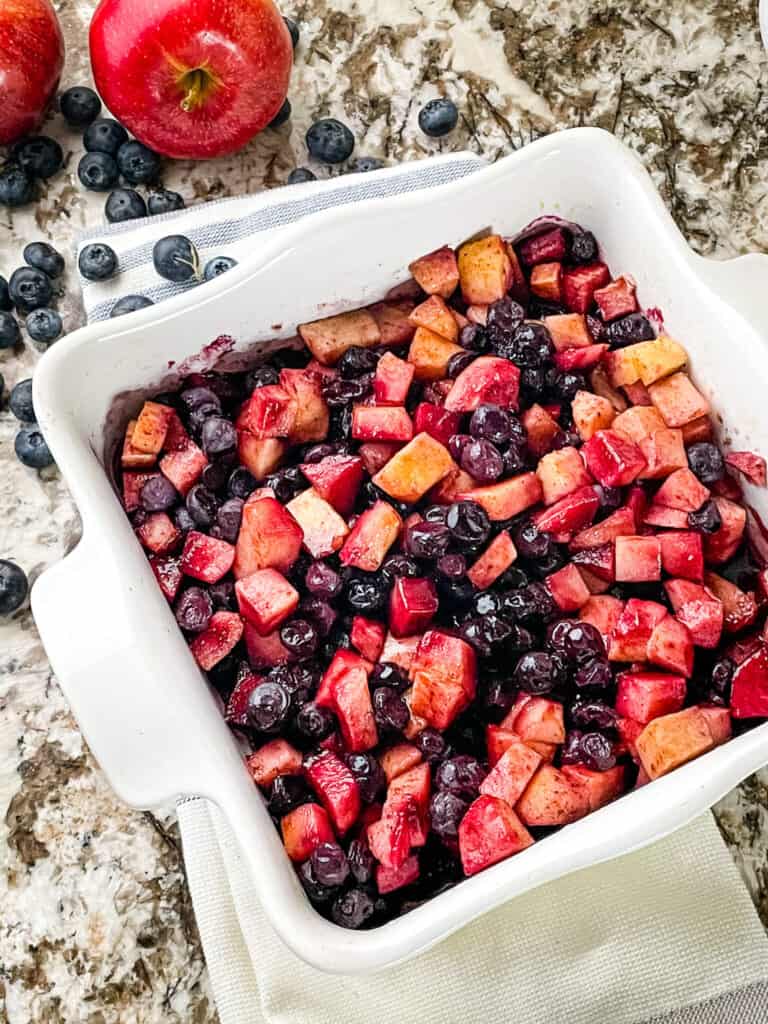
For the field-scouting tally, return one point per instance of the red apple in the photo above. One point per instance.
(31, 59)
(191, 80)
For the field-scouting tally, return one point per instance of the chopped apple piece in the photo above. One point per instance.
(412, 606)
(276, 757)
(216, 641)
(487, 380)
(603, 612)
(672, 740)
(392, 321)
(260, 456)
(613, 460)
(369, 540)
(323, 528)
(328, 339)
(436, 421)
(542, 429)
(437, 273)
(489, 832)
(682, 490)
(751, 466)
(485, 270)
(647, 362)
(414, 469)
(698, 609)
(567, 588)
(381, 423)
(434, 315)
(580, 284)
(616, 299)
(591, 413)
(620, 523)
(561, 472)
(547, 281)
(638, 559)
(506, 499)
(271, 411)
(671, 647)
(549, 245)
(571, 513)
(568, 330)
(266, 599)
(677, 400)
(511, 773)
(206, 558)
(151, 428)
(159, 534)
(601, 787)
(682, 554)
(444, 674)
(269, 538)
(638, 422)
(392, 380)
(496, 559)
(723, 544)
(739, 606)
(430, 354)
(304, 829)
(551, 798)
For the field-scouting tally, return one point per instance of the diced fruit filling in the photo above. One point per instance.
(468, 568)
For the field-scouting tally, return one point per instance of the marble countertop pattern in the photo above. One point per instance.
(96, 924)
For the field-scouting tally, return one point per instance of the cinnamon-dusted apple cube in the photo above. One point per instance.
(547, 281)
(265, 651)
(490, 832)
(399, 759)
(638, 393)
(672, 740)
(718, 722)
(580, 359)
(437, 273)
(601, 787)
(568, 588)
(328, 339)
(450, 487)
(723, 544)
(376, 454)
(663, 452)
(414, 469)
(484, 270)
(444, 674)
(616, 299)
(392, 321)
(613, 460)
(436, 421)
(381, 423)
(337, 479)
(508, 498)
(632, 633)
(739, 606)
(269, 538)
(392, 380)
(435, 316)
(549, 245)
(568, 330)
(620, 523)
(580, 284)
(561, 472)
(571, 513)
(159, 534)
(511, 773)
(206, 558)
(591, 413)
(167, 573)
(184, 466)
(276, 757)
(304, 829)
(369, 540)
(477, 315)
(638, 559)
(682, 490)
(643, 696)
(638, 422)
(337, 789)
(671, 647)
(132, 485)
(751, 466)
(697, 430)
(271, 411)
(537, 720)
(495, 560)
(260, 456)
(265, 599)
(344, 689)
(430, 354)
(400, 650)
(367, 636)
(698, 609)
(323, 528)
(312, 417)
(151, 428)
(678, 401)
(133, 458)
(215, 642)
(597, 567)
(498, 740)
(551, 798)
(603, 611)
(749, 687)
(390, 879)
(646, 361)
(412, 606)
(542, 429)
(682, 554)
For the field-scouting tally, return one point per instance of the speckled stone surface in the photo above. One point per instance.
(96, 925)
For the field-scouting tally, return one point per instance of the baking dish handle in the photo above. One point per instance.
(742, 283)
(113, 649)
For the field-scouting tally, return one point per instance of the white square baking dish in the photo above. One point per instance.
(122, 662)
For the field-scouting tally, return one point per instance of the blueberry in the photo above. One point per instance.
(566, 384)
(98, 172)
(43, 256)
(452, 567)
(594, 675)
(157, 494)
(129, 304)
(390, 710)
(286, 483)
(318, 893)
(299, 637)
(427, 540)
(323, 581)
(340, 392)
(368, 774)
(361, 861)
(104, 136)
(468, 522)
(595, 714)
(400, 565)
(446, 811)
(706, 519)
(438, 117)
(79, 106)
(330, 141)
(530, 543)
(286, 793)
(260, 377)
(538, 672)
(491, 423)
(164, 201)
(138, 164)
(215, 475)
(386, 673)
(16, 187)
(44, 325)
(352, 909)
(458, 363)
(356, 361)
(124, 204)
(202, 505)
(629, 329)
(268, 706)
(30, 289)
(283, 115)
(329, 863)
(13, 587)
(482, 460)
(597, 752)
(583, 247)
(367, 593)
(5, 299)
(299, 175)
(97, 261)
(504, 318)
(10, 334)
(578, 642)
(39, 156)
(293, 28)
(315, 722)
(218, 265)
(20, 401)
(705, 461)
(461, 775)
(364, 164)
(433, 745)
(31, 449)
(197, 397)
(241, 483)
(183, 519)
(473, 337)
(218, 436)
(193, 610)
(176, 258)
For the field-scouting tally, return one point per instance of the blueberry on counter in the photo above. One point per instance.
(43, 256)
(44, 325)
(218, 265)
(31, 449)
(97, 261)
(129, 304)
(5, 298)
(138, 164)
(20, 401)
(438, 117)
(30, 289)
(98, 171)
(299, 175)
(16, 186)
(79, 106)
(13, 587)
(330, 141)
(39, 156)
(293, 28)
(9, 330)
(124, 204)
(104, 136)
(282, 115)
(164, 201)
(176, 258)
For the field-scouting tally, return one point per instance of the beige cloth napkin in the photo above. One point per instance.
(667, 935)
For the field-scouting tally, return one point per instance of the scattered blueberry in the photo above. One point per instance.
(124, 204)
(20, 401)
(283, 115)
(10, 334)
(330, 141)
(16, 186)
(44, 325)
(97, 261)
(39, 156)
(98, 171)
(438, 117)
(13, 587)
(138, 164)
(129, 304)
(299, 175)
(293, 28)
(30, 289)
(164, 201)
(176, 258)
(104, 136)
(79, 106)
(31, 448)
(44, 257)
(218, 265)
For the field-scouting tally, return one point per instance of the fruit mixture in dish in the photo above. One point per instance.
(464, 568)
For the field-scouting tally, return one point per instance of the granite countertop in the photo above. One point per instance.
(96, 924)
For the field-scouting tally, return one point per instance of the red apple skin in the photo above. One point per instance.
(31, 59)
(147, 54)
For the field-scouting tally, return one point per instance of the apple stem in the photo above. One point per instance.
(196, 82)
